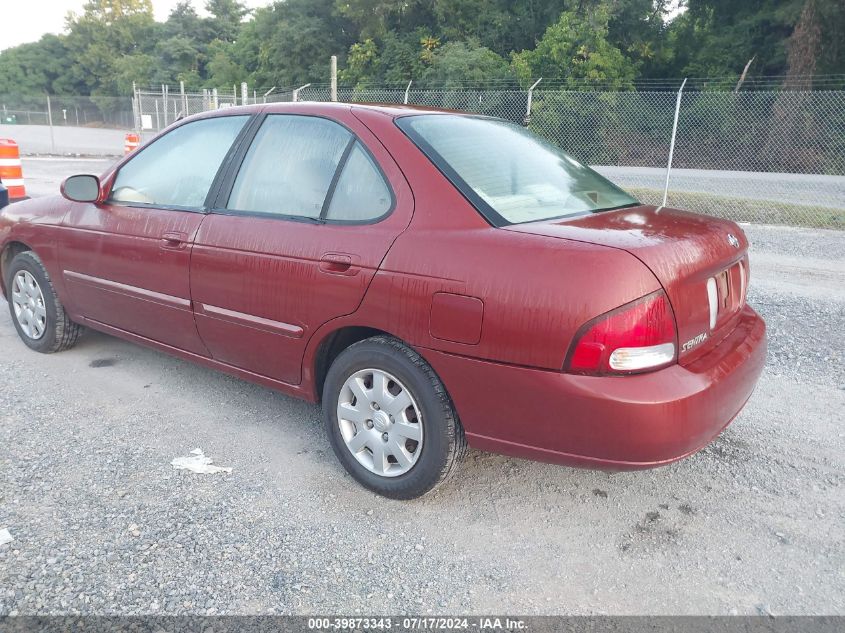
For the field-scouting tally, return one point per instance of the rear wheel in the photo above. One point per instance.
(389, 419)
(37, 313)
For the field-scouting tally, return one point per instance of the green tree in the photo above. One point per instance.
(360, 64)
(458, 63)
(716, 38)
(107, 31)
(575, 49)
(36, 67)
(226, 18)
(607, 42)
(290, 43)
(182, 46)
(223, 67)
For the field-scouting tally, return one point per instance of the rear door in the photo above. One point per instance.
(298, 231)
(125, 262)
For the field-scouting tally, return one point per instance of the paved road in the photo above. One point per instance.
(66, 140)
(101, 521)
(43, 175)
(806, 189)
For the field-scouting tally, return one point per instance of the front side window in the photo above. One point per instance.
(289, 167)
(507, 172)
(177, 169)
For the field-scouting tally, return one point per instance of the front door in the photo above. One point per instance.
(297, 236)
(125, 262)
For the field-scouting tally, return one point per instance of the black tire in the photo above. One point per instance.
(60, 333)
(444, 441)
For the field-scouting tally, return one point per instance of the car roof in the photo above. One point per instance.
(389, 109)
(326, 107)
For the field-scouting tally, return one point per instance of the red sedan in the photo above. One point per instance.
(434, 278)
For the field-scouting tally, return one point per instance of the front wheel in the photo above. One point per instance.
(37, 313)
(389, 419)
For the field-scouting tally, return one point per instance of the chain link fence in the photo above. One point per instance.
(768, 156)
(775, 157)
(66, 125)
(62, 110)
(155, 109)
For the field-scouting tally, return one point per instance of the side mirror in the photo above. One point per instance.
(83, 188)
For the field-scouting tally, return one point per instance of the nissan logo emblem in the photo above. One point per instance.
(732, 240)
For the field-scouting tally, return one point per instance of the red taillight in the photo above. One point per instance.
(639, 336)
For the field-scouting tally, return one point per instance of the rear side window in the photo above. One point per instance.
(361, 193)
(177, 169)
(289, 167)
(508, 173)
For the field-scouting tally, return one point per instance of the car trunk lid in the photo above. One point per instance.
(700, 261)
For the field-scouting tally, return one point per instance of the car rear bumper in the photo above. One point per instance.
(618, 422)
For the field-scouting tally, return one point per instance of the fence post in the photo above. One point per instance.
(244, 93)
(140, 103)
(214, 102)
(296, 92)
(50, 121)
(164, 103)
(184, 98)
(528, 105)
(136, 117)
(334, 77)
(672, 143)
(268, 92)
(407, 90)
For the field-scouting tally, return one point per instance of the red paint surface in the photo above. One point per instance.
(494, 310)
(456, 318)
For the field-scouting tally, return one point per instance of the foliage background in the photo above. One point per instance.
(611, 44)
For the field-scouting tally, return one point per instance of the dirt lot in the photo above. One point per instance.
(102, 523)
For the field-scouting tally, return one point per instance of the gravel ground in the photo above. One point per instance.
(103, 524)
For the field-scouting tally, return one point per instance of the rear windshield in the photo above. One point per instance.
(508, 173)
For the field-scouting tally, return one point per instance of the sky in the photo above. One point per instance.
(30, 19)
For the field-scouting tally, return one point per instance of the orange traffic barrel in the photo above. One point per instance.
(11, 172)
(131, 143)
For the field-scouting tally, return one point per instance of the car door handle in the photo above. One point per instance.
(174, 240)
(336, 263)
